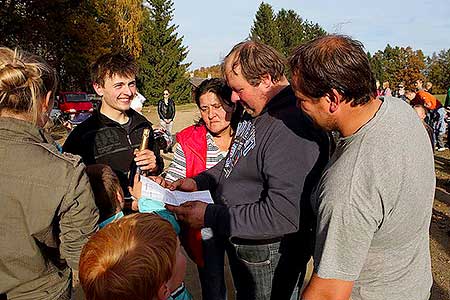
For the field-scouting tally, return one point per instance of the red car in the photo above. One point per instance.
(74, 102)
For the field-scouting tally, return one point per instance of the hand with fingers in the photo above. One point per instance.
(145, 160)
(183, 184)
(161, 181)
(191, 213)
(135, 192)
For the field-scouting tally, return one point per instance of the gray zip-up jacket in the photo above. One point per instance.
(48, 213)
(266, 194)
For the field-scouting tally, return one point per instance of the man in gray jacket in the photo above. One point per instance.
(261, 189)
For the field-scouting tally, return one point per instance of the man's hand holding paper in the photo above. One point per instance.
(192, 213)
(154, 191)
(184, 184)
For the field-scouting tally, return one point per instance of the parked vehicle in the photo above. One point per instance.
(74, 103)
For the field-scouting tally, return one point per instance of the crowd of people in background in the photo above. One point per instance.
(314, 167)
(429, 108)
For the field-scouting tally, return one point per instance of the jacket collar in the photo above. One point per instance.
(136, 119)
(22, 131)
(280, 100)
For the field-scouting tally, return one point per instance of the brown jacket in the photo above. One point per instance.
(47, 213)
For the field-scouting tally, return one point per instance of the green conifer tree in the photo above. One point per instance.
(294, 30)
(438, 71)
(264, 27)
(161, 61)
(290, 26)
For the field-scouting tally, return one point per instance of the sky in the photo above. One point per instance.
(211, 28)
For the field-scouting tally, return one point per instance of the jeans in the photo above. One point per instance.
(212, 278)
(253, 268)
(439, 126)
(168, 128)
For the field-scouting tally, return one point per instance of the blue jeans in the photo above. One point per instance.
(439, 126)
(253, 268)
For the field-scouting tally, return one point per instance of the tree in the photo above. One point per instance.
(312, 30)
(285, 31)
(293, 30)
(161, 60)
(213, 71)
(290, 26)
(64, 32)
(376, 65)
(124, 19)
(264, 27)
(438, 71)
(398, 64)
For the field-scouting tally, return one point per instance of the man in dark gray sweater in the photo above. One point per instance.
(262, 188)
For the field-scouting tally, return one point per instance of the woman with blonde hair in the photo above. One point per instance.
(48, 211)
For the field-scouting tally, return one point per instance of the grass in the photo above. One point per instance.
(441, 98)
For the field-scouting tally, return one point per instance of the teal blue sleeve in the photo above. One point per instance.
(181, 293)
(171, 218)
(151, 206)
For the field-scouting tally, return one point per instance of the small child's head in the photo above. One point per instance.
(132, 258)
(107, 190)
(421, 111)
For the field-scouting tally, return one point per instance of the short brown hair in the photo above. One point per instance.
(256, 60)
(333, 62)
(111, 64)
(105, 185)
(128, 259)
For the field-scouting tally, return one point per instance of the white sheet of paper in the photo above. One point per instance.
(154, 191)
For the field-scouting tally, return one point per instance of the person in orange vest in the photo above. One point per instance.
(436, 118)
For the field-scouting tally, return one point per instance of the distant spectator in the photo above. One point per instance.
(379, 91)
(166, 112)
(133, 258)
(429, 87)
(400, 92)
(436, 114)
(386, 90)
(422, 113)
(138, 102)
(418, 84)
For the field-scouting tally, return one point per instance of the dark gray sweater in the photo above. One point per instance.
(261, 198)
